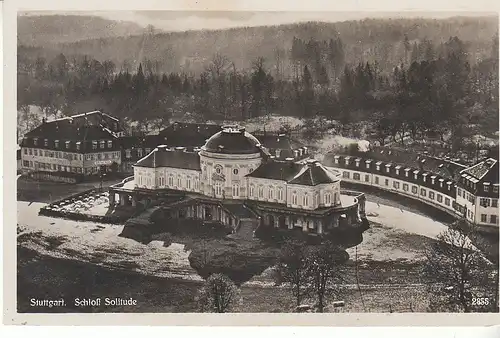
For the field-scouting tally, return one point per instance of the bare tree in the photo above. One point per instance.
(218, 294)
(325, 269)
(456, 269)
(293, 269)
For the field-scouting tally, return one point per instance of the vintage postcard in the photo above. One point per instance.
(186, 164)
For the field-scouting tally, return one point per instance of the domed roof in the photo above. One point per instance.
(233, 140)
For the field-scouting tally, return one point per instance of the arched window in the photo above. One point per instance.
(294, 198)
(271, 193)
(280, 193)
(236, 190)
(170, 180)
(261, 191)
(251, 190)
(218, 188)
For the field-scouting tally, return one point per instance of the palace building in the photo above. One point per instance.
(73, 146)
(233, 177)
(464, 192)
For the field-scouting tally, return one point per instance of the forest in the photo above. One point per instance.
(443, 87)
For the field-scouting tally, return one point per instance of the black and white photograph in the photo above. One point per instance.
(257, 162)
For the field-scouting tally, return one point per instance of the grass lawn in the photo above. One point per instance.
(46, 277)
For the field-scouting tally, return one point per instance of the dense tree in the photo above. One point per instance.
(218, 294)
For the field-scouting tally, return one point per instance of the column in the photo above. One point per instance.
(122, 199)
(288, 221)
(111, 198)
(319, 228)
(134, 201)
(304, 224)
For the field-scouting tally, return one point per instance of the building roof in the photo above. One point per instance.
(483, 173)
(164, 157)
(311, 173)
(413, 175)
(277, 170)
(481, 169)
(233, 140)
(91, 125)
(314, 173)
(180, 134)
(408, 158)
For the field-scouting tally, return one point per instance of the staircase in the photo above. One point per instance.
(246, 229)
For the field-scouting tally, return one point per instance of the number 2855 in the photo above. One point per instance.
(480, 301)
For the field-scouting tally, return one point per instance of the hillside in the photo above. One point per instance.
(52, 29)
(370, 40)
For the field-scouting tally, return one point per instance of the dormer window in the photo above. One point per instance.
(110, 144)
(407, 172)
(441, 182)
(94, 145)
(46, 142)
(56, 144)
(397, 169)
(368, 164)
(357, 162)
(378, 165)
(415, 174)
(495, 189)
(35, 141)
(67, 144)
(486, 187)
(424, 176)
(433, 179)
(346, 161)
(335, 159)
(78, 145)
(387, 168)
(102, 144)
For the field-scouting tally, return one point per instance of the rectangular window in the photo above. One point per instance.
(46, 142)
(484, 202)
(395, 184)
(128, 153)
(414, 189)
(251, 190)
(459, 192)
(139, 152)
(110, 144)
(484, 218)
(35, 152)
(356, 176)
(56, 144)
(30, 151)
(495, 189)
(280, 194)
(345, 174)
(94, 145)
(440, 198)
(405, 187)
(26, 163)
(376, 179)
(25, 151)
(486, 188)
(447, 201)
(431, 195)
(493, 219)
(367, 178)
(387, 182)
(494, 203)
(423, 192)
